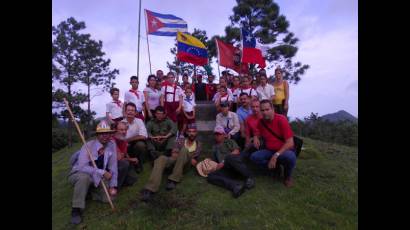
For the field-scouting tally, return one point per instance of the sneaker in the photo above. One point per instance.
(170, 185)
(238, 190)
(288, 182)
(146, 195)
(250, 183)
(75, 216)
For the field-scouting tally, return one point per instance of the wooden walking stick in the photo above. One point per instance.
(88, 151)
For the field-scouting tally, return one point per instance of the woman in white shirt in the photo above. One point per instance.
(152, 96)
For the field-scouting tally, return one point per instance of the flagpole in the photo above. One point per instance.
(217, 50)
(139, 25)
(146, 33)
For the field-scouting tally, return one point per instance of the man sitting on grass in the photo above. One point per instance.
(186, 151)
(84, 177)
(226, 154)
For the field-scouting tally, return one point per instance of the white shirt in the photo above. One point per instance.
(169, 97)
(114, 110)
(235, 96)
(265, 92)
(188, 104)
(137, 100)
(251, 91)
(227, 97)
(231, 122)
(135, 128)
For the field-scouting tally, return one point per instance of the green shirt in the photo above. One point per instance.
(162, 128)
(223, 149)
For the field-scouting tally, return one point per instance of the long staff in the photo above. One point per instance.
(88, 151)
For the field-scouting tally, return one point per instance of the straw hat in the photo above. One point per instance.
(206, 165)
(104, 127)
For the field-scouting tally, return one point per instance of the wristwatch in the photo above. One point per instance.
(277, 154)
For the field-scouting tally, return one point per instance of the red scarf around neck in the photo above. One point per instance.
(135, 92)
(118, 103)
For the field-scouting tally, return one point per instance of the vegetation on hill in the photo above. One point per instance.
(324, 197)
(339, 116)
(343, 132)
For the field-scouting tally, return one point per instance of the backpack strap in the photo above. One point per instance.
(270, 130)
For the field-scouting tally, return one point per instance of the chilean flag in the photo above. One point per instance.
(251, 54)
(164, 24)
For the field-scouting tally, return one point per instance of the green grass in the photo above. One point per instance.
(324, 197)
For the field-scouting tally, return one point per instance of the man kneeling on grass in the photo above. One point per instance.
(226, 154)
(83, 174)
(185, 151)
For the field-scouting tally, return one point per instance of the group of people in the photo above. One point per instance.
(158, 126)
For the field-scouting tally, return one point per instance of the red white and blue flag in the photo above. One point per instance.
(251, 54)
(164, 24)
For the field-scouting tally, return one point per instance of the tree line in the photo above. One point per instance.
(342, 132)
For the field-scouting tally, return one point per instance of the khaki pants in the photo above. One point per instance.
(83, 183)
(163, 162)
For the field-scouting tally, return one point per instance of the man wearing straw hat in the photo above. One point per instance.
(83, 174)
(185, 151)
(226, 163)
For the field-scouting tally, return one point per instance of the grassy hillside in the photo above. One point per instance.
(324, 197)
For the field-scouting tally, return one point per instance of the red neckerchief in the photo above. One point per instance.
(135, 92)
(223, 95)
(118, 103)
(233, 89)
(246, 87)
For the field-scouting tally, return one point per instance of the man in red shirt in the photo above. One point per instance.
(251, 126)
(273, 127)
(126, 172)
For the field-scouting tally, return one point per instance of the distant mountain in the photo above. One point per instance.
(339, 116)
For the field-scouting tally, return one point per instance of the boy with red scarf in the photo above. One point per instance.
(247, 88)
(171, 98)
(114, 112)
(135, 96)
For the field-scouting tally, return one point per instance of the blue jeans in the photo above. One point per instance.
(287, 159)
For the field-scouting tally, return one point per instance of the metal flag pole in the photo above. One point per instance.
(138, 57)
(146, 32)
(217, 50)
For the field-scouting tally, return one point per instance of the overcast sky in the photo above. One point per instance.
(327, 31)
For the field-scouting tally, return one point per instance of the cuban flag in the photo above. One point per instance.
(164, 24)
(250, 52)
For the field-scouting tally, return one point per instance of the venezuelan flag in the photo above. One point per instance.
(191, 50)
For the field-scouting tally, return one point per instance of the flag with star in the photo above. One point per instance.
(250, 53)
(164, 24)
(191, 49)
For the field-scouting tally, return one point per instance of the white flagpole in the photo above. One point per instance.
(217, 50)
(146, 33)
(139, 25)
